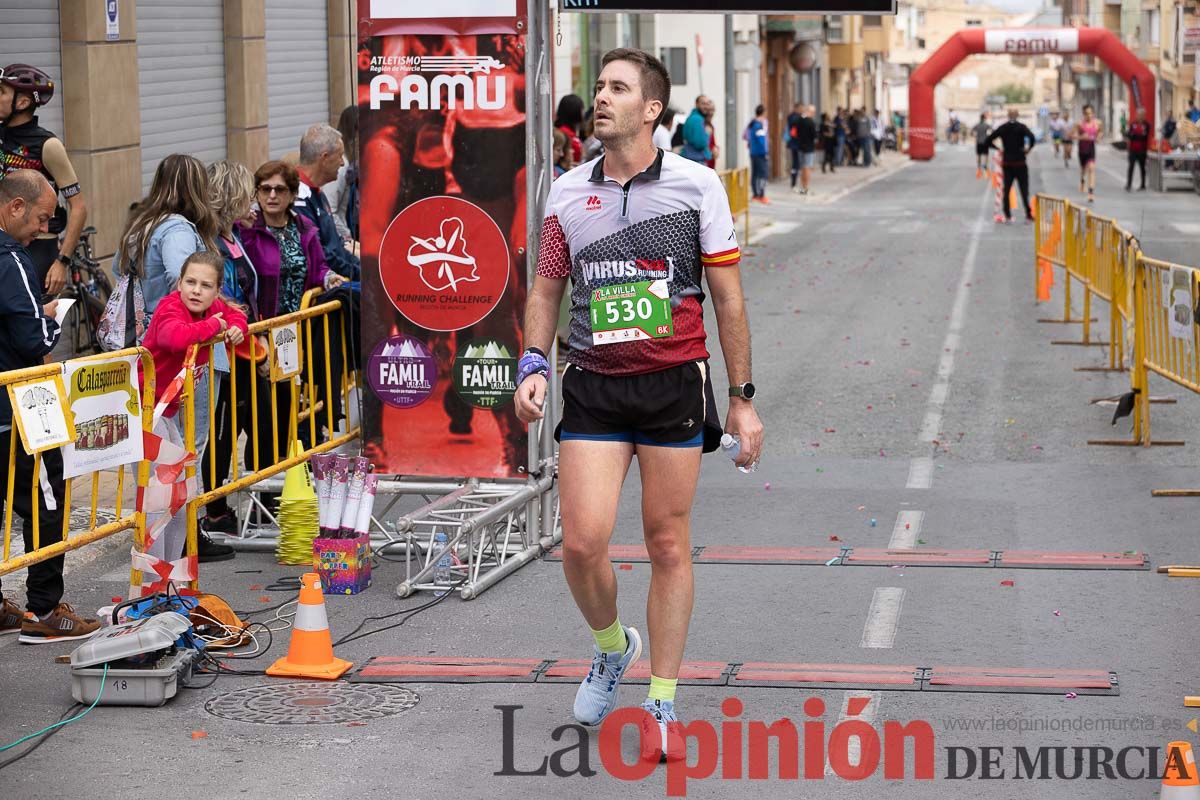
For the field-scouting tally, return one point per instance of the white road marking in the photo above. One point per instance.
(907, 530)
(772, 229)
(920, 473)
(1188, 228)
(932, 422)
(868, 715)
(883, 617)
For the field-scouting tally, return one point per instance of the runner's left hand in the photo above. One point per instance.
(742, 421)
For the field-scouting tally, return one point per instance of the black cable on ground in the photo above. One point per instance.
(408, 613)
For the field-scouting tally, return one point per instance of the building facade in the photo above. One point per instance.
(238, 79)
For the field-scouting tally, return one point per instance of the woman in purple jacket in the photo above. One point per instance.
(286, 252)
(284, 246)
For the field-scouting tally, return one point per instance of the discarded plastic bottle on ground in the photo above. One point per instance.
(442, 574)
(732, 447)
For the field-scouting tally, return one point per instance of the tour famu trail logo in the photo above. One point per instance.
(484, 373)
(443, 260)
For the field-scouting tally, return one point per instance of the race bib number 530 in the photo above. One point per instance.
(631, 311)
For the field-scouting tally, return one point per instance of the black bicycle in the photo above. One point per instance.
(89, 286)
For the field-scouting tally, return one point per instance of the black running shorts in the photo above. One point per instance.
(673, 407)
(982, 149)
(1087, 152)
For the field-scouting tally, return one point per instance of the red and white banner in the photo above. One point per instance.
(442, 127)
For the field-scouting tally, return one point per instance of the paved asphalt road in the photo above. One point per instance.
(903, 379)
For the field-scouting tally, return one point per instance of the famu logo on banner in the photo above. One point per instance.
(484, 373)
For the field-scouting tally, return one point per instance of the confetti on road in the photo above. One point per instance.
(199, 734)
(767, 486)
(1071, 695)
(1008, 583)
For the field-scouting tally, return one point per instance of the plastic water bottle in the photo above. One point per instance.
(441, 570)
(732, 446)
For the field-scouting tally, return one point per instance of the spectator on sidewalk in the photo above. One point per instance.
(1138, 136)
(24, 143)
(1168, 128)
(28, 334)
(321, 152)
(878, 133)
(343, 194)
(802, 144)
(569, 120)
(862, 130)
(1193, 113)
(695, 132)
(757, 139)
(840, 132)
(663, 131)
(828, 144)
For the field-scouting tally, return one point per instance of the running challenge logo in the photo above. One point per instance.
(444, 263)
(434, 82)
(738, 749)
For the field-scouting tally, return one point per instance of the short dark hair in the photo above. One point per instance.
(759, 109)
(1086, 106)
(656, 81)
(281, 168)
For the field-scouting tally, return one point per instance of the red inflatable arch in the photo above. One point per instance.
(922, 125)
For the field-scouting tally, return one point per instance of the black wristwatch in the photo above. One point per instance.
(744, 391)
(66, 260)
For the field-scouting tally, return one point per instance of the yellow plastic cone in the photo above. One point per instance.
(1180, 780)
(310, 654)
(297, 482)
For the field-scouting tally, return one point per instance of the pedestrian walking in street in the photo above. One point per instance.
(757, 140)
(1087, 133)
(982, 130)
(1067, 138)
(649, 397)
(1057, 125)
(802, 145)
(1013, 136)
(1138, 137)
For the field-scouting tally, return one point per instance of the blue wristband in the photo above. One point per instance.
(531, 363)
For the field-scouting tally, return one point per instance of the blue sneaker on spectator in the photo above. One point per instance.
(597, 695)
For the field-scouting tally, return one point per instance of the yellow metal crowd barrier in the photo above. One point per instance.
(298, 385)
(298, 389)
(1151, 304)
(737, 186)
(102, 486)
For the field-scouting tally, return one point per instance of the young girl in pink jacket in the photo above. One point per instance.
(192, 314)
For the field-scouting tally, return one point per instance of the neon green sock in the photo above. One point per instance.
(611, 639)
(662, 688)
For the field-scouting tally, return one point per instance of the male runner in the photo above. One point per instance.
(634, 230)
(26, 145)
(1013, 135)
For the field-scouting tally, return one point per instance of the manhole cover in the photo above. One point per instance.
(312, 703)
(81, 517)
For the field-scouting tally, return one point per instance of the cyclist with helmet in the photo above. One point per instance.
(26, 145)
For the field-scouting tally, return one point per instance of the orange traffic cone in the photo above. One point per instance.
(1180, 781)
(1012, 197)
(310, 654)
(1045, 280)
(978, 173)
